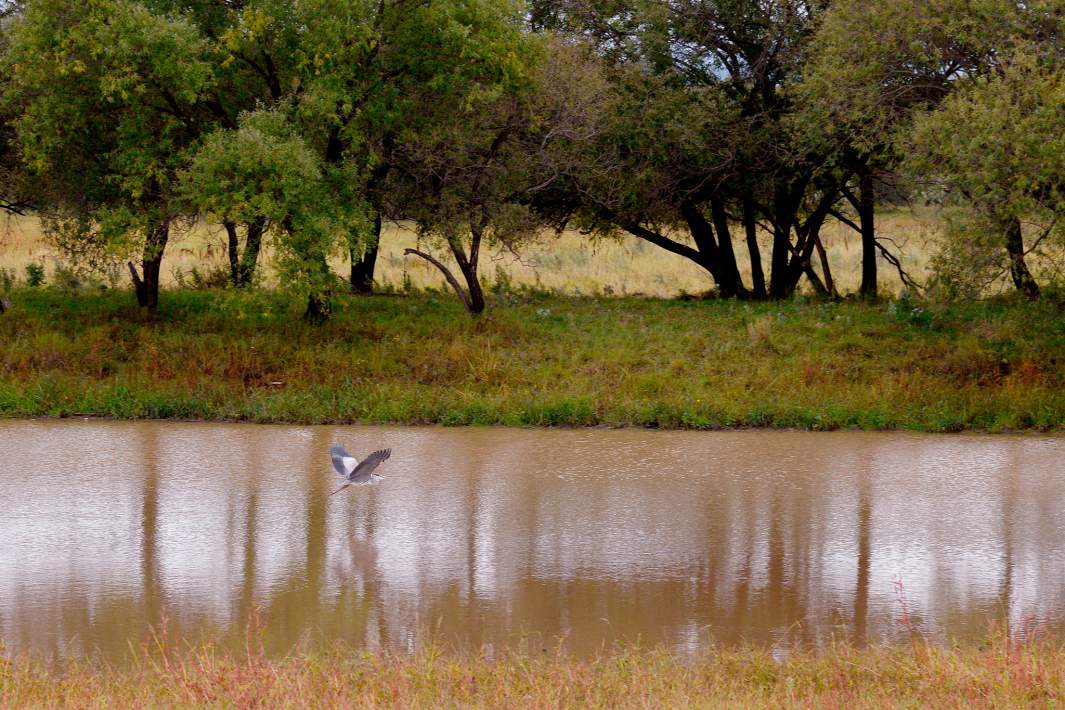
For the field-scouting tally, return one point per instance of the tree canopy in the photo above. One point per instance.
(689, 124)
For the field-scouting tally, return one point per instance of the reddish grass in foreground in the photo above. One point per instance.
(1000, 673)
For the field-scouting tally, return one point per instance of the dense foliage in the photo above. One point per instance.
(689, 124)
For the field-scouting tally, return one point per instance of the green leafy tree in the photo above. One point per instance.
(369, 73)
(876, 68)
(264, 174)
(703, 141)
(999, 142)
(100, 91)
(483, 171)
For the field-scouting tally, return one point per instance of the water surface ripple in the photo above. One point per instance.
(485, 538)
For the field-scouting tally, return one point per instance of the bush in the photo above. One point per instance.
(35, 275)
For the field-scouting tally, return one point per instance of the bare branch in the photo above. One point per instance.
(446, 271)
(906, 279)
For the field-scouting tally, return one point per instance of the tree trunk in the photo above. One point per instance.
(473, 286)
(867, 214)
(253, 245)
(780, 278)
(472, 296)
(242, 267)
(751, 228)
(1022, 277)
(796, 267)
(362, 270)
(452, 281)
(729, 270)
(780, 283)
(706, 246)
(819, 286)
(318, 308)
(468, 267)
(830, 283)
(146, 284)
(233, 252)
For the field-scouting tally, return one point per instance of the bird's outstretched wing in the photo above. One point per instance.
(362, 472)
(343, 462)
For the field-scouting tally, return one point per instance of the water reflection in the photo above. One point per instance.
(494, 536)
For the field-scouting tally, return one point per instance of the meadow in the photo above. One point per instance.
(536, 359)
(566, 264)
(577, 334)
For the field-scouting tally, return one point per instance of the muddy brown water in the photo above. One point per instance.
(490, 538)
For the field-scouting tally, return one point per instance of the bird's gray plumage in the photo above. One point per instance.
(365, 470)
(343, 462)
(354, 471)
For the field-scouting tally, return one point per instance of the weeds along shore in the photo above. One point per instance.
(1001, 673)
(537, 360)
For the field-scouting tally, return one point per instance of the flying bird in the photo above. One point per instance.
(356, 473)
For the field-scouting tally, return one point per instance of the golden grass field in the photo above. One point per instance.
(567, 263)
(1001, 674)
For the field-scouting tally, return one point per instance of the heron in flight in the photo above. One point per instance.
(354, 472)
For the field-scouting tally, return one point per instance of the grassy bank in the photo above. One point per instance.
(1000, 675)
(533, 360)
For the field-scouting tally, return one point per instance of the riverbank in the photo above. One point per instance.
(1000, 675)
(537, 361)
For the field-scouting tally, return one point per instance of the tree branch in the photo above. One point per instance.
(906, 279)
(662, 241)
(446, 271)
(845, 220)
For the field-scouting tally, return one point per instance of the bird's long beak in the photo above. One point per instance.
(339, 489)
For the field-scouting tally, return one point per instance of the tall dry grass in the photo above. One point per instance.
(1001, 674)
(567, 263)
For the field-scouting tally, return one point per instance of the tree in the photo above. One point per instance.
(877, 67)
(100, 92)
(351, 86)
(702, 134)
(999, 142)
(484, 170)
(265, 175)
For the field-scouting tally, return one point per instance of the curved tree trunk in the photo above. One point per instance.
(146, 284)
(472, 296)
(1022, 277)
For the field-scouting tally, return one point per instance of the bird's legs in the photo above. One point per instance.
(339, 489)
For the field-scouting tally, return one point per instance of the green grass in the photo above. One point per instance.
(1000, 675)
(991, 365)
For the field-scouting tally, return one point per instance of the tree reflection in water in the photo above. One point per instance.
(502, 537)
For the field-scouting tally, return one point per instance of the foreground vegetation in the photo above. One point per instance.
(1002, 674)
(541, 360)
